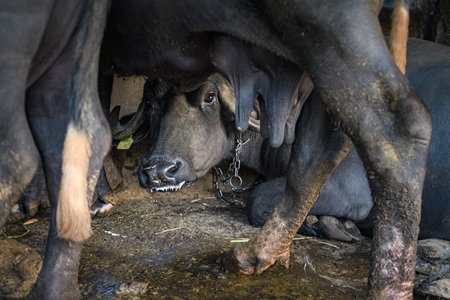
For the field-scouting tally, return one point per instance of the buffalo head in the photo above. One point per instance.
(193, 134)
(195, 131)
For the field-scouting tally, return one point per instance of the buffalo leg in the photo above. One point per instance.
(73, 137)
(18, 157)
(18, 154)
(34, 198)
(386, 120)
(50, 111)
(317, 150)
(18, 160)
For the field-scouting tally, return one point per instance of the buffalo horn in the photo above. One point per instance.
(119, 131)
(152, 89)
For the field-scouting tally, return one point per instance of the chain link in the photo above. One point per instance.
(232, 179)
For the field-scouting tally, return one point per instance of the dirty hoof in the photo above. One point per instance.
(17, 214)
(433, 256)
(26, 209)
(32, 200)
(230, 263)
(439, 288)
(433, 268)
(331, 228)
(249, 259)
(19, 266)
(102, 209)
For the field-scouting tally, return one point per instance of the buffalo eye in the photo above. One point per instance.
(209, 98)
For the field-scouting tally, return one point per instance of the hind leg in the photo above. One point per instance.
(49, 117)
(317, 150)
(73, 138)
(18, 154)
(58, 277)
(387, 122)
(48, 112)
(341, 47)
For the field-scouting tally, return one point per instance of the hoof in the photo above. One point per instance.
(33, 199)
(336, 229)
(229, 263)
(433, 268)
(250, 259)
(331, 228)
(438, 288)
(102, 209)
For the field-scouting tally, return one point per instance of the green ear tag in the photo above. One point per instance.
(126, 143)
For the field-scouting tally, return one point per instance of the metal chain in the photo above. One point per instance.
(232, 179)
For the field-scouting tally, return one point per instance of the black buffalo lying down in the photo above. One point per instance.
(340, 45)
(184, 150)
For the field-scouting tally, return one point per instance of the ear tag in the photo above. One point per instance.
(126, 143)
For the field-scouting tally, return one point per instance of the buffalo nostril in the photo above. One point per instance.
(172, 170)
(169, 171)
(162, 171)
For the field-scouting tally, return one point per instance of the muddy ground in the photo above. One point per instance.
(166, 246)
(131, 248)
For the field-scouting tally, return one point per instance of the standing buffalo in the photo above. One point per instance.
(340, 45)
(184, 150)
(50, 112)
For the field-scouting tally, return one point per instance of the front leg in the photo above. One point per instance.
(317, 151)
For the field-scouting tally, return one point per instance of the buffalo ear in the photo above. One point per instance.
(305, 88)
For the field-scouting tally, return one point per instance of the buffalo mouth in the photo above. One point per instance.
(167, 188)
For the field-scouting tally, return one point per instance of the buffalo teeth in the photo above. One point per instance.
(168, 188)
